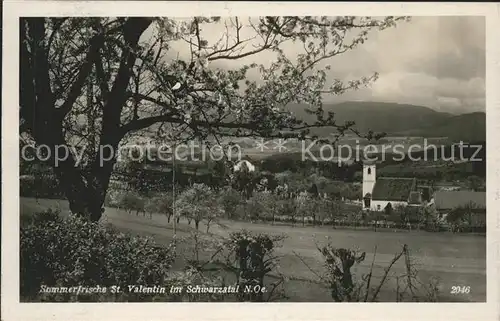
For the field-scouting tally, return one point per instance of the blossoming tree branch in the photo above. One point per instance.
(93, 82)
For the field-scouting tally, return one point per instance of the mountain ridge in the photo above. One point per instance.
(400, 120)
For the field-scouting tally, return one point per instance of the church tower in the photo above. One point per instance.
(369, 178)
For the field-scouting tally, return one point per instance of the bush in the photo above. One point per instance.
(131, 201)
(258, 206)
(39, 186)
(347, 286)
(161, 204)
(287, 208)
(113, 198)
(253, 260)
(198, 203)
(74, 252)
(230, 199)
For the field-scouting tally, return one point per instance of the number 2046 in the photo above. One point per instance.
(458, 289)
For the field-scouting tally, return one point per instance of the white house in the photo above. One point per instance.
(239, 165)
(378, 193)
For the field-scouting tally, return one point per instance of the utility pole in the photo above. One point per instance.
(173, 192)
(177, 86)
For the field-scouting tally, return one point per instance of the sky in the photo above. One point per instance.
(438, 62)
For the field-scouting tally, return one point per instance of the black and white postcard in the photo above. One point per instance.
(273, 158)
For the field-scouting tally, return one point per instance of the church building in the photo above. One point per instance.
(379, 193)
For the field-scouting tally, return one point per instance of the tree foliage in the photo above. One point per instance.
(95, 82)
(198, 203)
(72, 252)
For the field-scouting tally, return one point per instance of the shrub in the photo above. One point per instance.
(243, 259)
(198, 203)
(338, 262)
(113, 198)
(74, 252)
(230, 199)
(160, 204)
(39, 186)
(258, 205)
(287, 209)
(340, 265)
(253, 260)
(131, 201)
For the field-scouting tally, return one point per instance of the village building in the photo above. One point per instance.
(244, 162)
(474, 203)
(380, 193)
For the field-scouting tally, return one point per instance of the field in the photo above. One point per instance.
(454, 259)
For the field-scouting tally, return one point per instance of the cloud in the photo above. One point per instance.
(437, 62)
(445, 47)
(445, 94)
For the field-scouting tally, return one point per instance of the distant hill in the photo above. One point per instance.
(375, 116)
(401, 120)
(466, 127)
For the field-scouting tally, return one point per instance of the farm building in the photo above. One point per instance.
(378, 193)
(474, 202)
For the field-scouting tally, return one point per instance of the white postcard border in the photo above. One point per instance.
(13, 310)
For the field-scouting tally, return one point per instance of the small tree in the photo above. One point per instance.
(304, 205)
(461, 216)
(198, 203)
(287, 208)
(401, 214)
(475, 183)
(335, 210)
(425, 218)
(160, 204)
(229, 199)
(258, 206)
(338, 263)
(345, 286)
(131, 201)
(252, 258)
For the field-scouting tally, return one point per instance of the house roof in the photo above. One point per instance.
(415, 198)
(393, 188)
(446, 200)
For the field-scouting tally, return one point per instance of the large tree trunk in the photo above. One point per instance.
(85, 191)
(84, 199)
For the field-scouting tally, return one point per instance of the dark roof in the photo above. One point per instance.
(415, 198)
(446, 200)
(247, 158)
(393, 189)
(369, 162)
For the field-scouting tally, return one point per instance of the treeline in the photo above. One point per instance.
(39, 181)
(475, 153)
(451, 172)
(200, 203)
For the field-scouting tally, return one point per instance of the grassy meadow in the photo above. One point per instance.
(454, 259)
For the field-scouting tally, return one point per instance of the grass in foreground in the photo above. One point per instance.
(454, 259)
